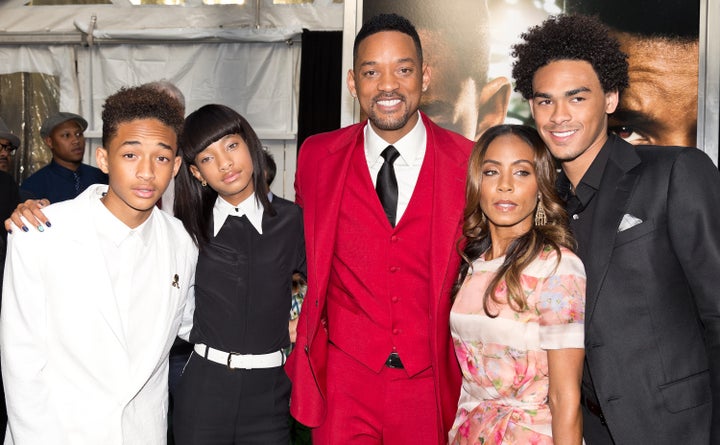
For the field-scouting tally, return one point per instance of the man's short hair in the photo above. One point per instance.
(141, 102)
(170, 88)
(270, 167)
(570, 37)
(387, 22)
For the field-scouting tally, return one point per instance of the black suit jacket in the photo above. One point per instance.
(653, 296)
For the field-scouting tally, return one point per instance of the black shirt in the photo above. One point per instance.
(243, 282)
(9, 199)
(581, 207)
(581, 204)
(58, 183)
(9, 196)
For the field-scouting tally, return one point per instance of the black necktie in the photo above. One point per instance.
(386, 185)
(76, 177)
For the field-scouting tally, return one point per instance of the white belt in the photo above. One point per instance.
(242, 361)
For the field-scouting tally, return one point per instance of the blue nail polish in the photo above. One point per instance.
(41, 228)
(10, 231)
(25, 229)
(48, 224)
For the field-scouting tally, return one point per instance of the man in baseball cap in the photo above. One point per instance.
(65, 176)
(8, 144)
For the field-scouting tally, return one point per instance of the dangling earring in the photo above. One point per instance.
(203, 183)
(540, 215)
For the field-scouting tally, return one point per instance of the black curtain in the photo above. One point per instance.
(321, 80)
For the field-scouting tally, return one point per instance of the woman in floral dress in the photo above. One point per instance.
(519, 302)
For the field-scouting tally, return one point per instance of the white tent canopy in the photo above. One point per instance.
(246, 57)
(122, 18)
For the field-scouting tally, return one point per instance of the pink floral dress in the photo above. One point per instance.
(504, 397)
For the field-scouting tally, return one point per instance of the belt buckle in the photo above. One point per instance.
(229, 359)
(393, 361)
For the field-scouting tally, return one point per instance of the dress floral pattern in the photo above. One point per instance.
(504, 398)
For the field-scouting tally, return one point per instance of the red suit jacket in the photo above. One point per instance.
(322, 164)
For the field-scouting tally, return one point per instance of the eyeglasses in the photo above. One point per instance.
(8, 148)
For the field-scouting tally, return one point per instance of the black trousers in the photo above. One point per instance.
(215, 405)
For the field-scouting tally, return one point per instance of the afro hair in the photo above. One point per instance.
(569, 37)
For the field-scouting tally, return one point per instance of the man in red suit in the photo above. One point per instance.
(382, 203)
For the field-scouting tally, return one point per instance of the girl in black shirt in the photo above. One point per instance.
(234, 389)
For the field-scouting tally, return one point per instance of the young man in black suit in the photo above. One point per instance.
(647, 223)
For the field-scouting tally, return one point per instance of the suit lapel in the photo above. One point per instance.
(616, 188)
(447, 206)
(326, 209)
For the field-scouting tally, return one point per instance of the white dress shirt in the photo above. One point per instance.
(407, 166)
(250, 207)
(121, 247)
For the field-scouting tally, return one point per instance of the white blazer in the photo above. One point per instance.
(68, 377)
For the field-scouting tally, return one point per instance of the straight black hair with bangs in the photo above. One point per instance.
(193, 202)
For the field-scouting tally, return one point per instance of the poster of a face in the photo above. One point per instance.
(660, 37)
(467, 45)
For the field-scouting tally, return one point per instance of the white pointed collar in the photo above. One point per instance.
(250, 207)
(411, 146)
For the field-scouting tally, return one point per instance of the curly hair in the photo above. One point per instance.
(476, 239)
(141, 102)
(569, 37)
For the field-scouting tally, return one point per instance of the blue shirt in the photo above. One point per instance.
(57, 183)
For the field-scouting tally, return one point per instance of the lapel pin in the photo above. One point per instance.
(176, 281)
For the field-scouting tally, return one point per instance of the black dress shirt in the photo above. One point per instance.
(581, 205)
(243, 282)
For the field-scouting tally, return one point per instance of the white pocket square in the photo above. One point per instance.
(628, 221)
